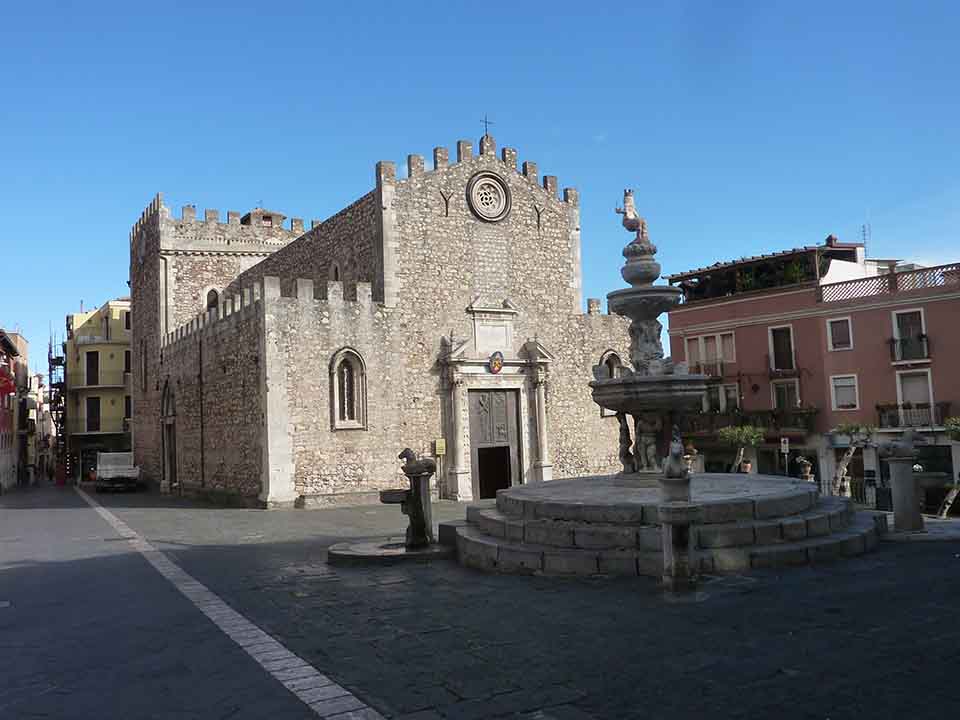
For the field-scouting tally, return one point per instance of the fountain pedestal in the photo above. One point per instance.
(679, 556)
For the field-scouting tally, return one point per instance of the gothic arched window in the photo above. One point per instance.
(335, 272)
(348, 390)
(213, 300)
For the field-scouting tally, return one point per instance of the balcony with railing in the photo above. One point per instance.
(710, 368)
(798, 421)
(932, 278)
(102, 379)
(911, 348)
(786, 368)
(907, 415)
(88, 426)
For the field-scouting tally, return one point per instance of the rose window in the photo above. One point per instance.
(488, 196)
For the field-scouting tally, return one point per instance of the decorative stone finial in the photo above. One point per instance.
(640, 269)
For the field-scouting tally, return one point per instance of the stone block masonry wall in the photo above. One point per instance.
(173, 262)
(447, 257)
(207, 254)
(344, 465)
(348, 240)
(147, 310)
(214, 369)
(583, 442)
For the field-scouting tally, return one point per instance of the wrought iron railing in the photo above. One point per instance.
(891, 415)
(891, 283)
(911, 348)
(772, 421)
(782, 372)
(710, 368)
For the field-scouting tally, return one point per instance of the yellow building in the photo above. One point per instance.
(98, 408)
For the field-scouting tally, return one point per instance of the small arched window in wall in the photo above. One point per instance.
(335, 272)
(213, 300)
(348, 391)
(612, 368)
(612, 364)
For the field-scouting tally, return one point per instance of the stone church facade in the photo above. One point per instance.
(442, 311)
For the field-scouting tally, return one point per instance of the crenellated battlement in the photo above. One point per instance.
(149, 213)
(386, 170)
(234, 308)
(211, 216)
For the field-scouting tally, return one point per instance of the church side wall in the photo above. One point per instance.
(583, 442)
(346, 465)
(212, 366)
(349, 239)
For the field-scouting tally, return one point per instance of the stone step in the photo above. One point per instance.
(478, 550)
(528, 503)
(858, 537)
(564, 533)
(830, 515)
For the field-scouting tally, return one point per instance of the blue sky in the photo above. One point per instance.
(743, 127)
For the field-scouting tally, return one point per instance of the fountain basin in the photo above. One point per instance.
(638, 394)
(645, 302)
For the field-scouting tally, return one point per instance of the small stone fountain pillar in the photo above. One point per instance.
(679, 551)
(904, 486)
(677, 515)
(906, 494)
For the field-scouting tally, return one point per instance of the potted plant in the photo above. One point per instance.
(741, 437)
(952, 426)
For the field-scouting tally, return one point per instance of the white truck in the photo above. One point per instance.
(116, 469)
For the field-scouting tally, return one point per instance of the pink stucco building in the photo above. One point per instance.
(802, 341)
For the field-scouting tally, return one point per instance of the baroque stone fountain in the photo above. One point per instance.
(656, 390)
(656, 518)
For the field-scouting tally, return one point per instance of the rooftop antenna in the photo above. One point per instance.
(486, 126)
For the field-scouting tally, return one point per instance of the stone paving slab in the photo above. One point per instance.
(935, 529)
(875, 636)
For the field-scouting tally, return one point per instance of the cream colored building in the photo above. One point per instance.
(97, 375)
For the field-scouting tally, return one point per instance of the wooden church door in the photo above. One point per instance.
(494, 440)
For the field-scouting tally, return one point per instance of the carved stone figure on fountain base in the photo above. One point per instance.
(646, 453)
(646, 351)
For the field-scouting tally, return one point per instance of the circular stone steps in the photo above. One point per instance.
(606, 525)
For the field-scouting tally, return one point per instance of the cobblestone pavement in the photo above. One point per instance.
(875, 637)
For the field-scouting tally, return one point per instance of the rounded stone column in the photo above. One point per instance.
(460, 484)
(543, 464)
